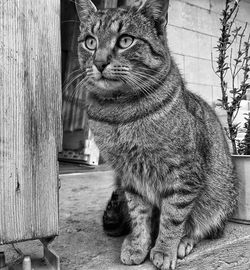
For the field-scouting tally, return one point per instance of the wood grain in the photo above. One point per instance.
(30, 118)
(134, 2)
(110, 3)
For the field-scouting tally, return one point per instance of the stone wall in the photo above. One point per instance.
(193, 31)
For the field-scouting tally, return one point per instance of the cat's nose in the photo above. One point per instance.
(101, 65)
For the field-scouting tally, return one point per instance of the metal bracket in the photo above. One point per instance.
(3, 265)
(50, 260)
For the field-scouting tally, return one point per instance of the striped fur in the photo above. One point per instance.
(166, 145)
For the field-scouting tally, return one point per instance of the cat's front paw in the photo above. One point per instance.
(186, 246)
(133, 251)
(163, 258)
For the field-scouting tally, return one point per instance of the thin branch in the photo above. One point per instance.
(212, 63)
(226, 62)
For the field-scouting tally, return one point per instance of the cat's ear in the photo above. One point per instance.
(158, 9)
(84, 8)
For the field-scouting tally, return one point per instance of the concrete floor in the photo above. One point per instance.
(82, 245)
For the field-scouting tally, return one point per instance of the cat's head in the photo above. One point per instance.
(123, 51)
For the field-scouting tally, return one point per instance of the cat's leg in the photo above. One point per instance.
(116, 221)
(190, 238)
(137, 244)
(175, 208)
(208, 217)
(197, 227)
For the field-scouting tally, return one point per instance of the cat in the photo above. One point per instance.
(174, 174)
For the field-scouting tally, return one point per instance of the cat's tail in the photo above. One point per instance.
(116, 220)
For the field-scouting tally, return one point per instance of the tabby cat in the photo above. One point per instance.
(164, 143)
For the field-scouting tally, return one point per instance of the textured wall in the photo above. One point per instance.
(193, 31)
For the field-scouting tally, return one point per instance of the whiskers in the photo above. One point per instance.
(117, 71)
(72, 89)
(142, 82)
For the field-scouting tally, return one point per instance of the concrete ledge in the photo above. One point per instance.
(82, 245)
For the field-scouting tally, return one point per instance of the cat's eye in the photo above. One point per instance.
(125, 41)
(90, 43)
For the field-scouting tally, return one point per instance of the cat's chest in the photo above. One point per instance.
(134, 154)
(116, 139)
(142, 154)
(124, 138)
(137, 147)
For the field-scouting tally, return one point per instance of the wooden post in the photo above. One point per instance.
(110, 3)
(30, 118)
(134, 2)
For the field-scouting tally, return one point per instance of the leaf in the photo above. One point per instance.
(233, 91)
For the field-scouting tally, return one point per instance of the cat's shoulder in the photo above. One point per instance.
(197, 106)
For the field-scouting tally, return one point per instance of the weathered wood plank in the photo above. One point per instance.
(134, 2)
(30, 118)
(110, 3)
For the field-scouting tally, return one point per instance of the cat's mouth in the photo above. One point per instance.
(108, 83)
(108, 89)
(109, 78)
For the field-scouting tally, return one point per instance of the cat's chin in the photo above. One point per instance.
(108, 85)
(108, 90)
